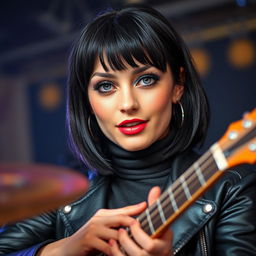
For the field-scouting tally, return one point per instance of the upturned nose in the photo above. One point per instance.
(128, 101)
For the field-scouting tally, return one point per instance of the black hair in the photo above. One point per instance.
(133, 33)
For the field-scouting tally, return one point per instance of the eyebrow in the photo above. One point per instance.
(136, 71)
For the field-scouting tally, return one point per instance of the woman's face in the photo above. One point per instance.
(133, 107)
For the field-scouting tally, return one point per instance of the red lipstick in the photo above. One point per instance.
(132, 127)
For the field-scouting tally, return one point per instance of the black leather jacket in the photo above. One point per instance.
(222, 222)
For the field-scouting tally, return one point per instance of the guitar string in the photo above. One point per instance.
(177, 185)
(189, 178)
(177, 189)
(178, 195)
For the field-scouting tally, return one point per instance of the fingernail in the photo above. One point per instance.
(121, 230)
(111, 242)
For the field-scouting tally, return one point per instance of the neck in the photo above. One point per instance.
(151, 162)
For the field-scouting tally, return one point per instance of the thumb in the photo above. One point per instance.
(153, 194)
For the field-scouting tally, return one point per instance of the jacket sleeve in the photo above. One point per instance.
(236, 226)
(26, 237)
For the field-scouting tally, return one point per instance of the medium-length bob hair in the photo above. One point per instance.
(118, 38)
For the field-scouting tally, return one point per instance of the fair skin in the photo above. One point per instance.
(143, 93)
(100, 233)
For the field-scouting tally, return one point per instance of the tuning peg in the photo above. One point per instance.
(247, 123)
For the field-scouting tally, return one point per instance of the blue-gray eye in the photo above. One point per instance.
(147, 80)
(104, 87)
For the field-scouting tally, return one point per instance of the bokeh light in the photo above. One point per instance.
(241, 53)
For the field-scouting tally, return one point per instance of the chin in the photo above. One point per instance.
(134, 148)
(135, 145)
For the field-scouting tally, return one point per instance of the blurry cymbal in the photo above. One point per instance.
(30, 189)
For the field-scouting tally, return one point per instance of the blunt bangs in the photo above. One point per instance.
(123, 39)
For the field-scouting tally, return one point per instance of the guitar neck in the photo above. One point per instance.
(183, 192)
(237, 146)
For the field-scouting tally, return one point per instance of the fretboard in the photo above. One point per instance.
(238, 145)
(183, 192)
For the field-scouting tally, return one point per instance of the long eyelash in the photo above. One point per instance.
(151, 75)
(97, 86)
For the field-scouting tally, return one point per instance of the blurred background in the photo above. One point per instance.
(35, 41)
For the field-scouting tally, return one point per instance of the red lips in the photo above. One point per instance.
(133, 126)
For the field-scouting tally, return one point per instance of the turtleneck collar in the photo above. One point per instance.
(150, 163)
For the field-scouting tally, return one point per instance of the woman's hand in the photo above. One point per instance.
(144, 244)
(95, 234)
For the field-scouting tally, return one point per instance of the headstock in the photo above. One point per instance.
(239, 142)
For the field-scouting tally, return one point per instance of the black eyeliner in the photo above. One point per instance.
(99, 84)
(150, 75)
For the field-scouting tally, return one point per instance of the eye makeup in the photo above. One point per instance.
(104, 87)
(148, 79)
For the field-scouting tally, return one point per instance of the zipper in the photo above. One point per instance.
(203, 242)
(177, 250)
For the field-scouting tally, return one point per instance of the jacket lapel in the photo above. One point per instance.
(83, 209)
(191, 221)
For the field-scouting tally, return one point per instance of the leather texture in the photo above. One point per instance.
(221, 222)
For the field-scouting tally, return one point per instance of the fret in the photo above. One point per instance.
(185, 187)
(172, 199)
(152, 229)
(150, 220)
(143, 220)
(199, 174)
(166, 206)
(209, 167)
(160, 210)
(146, 228)
(156, 219)
(192, 181)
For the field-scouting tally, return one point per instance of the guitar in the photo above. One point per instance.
(237, 146)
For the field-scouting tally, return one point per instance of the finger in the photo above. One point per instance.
(100, 245)
(161, 245)
(127, 210)
(104, 227)
(112, 221)
(154, 193)
(167, 235)
(114, 248)
(165, 241)
(106, 233)
(141, 238)
(128, 245)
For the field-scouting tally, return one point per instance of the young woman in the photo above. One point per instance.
(136, 111)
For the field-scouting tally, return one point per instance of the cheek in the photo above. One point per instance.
(98, 110)
(159, 101)
(99, 107)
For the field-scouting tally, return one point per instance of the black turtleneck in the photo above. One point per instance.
(136, 172)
